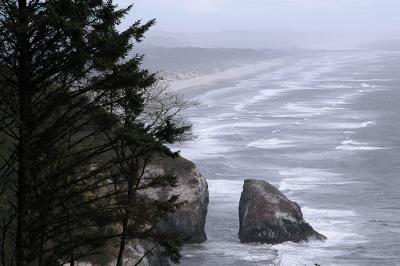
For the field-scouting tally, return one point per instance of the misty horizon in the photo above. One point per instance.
(315, 24)
(277, 40)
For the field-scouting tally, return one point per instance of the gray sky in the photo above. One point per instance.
(379, 18)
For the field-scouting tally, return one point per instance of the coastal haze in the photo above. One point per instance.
(301, 94)
(276, 24)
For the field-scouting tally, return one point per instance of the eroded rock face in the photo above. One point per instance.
(267, 216)
(137, 251)
(189, 220)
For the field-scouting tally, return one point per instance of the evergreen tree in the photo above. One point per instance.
(78, 132)
(138, 137)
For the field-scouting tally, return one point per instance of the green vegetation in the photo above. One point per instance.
(79, 125)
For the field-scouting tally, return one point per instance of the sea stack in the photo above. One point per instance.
(267, 216)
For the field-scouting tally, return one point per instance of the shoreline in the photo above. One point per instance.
(207, 82)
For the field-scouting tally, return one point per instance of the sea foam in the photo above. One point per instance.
(273, 143)
(351, 145)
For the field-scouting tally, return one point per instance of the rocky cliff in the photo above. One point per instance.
(189, 220)
(267, 216)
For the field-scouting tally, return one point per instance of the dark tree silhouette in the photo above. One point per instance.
(77, 130)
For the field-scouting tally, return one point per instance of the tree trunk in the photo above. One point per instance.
(22, 238)
(125, 222)
(120, 260)
(24, 155)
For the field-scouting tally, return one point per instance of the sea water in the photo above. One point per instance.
(325, 129)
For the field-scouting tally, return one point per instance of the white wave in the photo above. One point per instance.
(345, 125)
(337, 225)
(215, 94)
(262, 96)
(273, 143)
(255, 124)
(296, 86)
(335, 102)
(368, 123)
(305, 110)
(299, 115)
(333, 213)
(352, 142)
(366, 80)
(383, 79)
(308, 171)
(351, 145)
(301, 108)
(395, 230)
(304, 183)
(335, 86)
(358, 148)
(365, 85)
(349, 96)
(307, 178)
(297, 123)
(203, 148)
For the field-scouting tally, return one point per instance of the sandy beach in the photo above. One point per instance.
(233, 73)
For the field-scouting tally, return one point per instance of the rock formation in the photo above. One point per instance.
(189, 220)
(267, 216)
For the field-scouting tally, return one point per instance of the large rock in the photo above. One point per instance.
(267, 216)
(188, 221)
(192, 188)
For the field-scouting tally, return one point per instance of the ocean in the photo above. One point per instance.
(324, 128)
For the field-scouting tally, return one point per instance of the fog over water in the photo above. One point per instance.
(327, 24)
